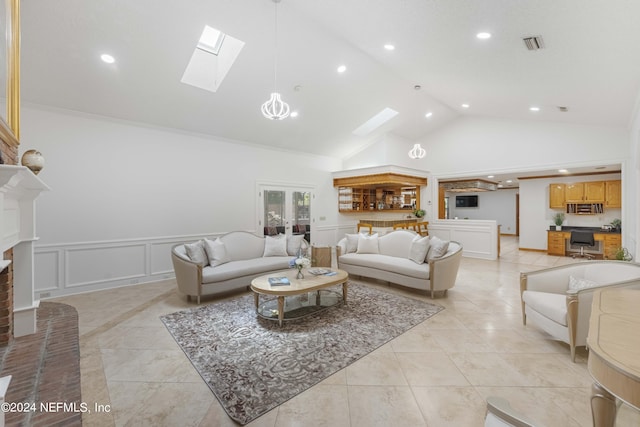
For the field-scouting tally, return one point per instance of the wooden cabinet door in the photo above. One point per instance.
(556, 196)
(555, 243)
(574, 193)
(613, 194)
(594, 192)
(611, 244)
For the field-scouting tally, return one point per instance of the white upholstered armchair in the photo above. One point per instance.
(558, 299)
(501, 414)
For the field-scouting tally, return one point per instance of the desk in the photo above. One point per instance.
(556, 242)
(614, 352)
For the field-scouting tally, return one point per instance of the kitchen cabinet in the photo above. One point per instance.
(581, 192)
(556, 196)
(613, 194)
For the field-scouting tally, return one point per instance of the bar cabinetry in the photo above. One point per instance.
(388, 192)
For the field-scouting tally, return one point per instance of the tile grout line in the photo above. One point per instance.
(125, 316)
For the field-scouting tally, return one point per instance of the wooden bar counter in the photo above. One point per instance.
(614, 352)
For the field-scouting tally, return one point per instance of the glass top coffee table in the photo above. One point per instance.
(300, 297)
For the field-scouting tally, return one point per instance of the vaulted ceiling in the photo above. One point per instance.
(590, 64)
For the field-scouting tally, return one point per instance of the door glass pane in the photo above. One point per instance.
(274, 209)
(301, 222)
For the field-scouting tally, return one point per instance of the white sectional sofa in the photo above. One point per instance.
(401, 257)
(558, 299)
(231, 261)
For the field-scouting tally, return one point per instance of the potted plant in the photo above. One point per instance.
(616, 224)
(622, 254)
(419, 213)
(558, 219)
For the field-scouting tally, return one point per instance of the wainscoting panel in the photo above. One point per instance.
(74, 268)
(479, 238)
(90, 266)
(95, 265)
(160, 262)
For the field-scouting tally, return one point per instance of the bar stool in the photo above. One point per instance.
(364, 225)
(422, 228)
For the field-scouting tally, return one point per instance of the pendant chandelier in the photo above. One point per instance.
(417, 152)
(275, 108)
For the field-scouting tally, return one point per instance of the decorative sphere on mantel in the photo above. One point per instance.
(33, 160)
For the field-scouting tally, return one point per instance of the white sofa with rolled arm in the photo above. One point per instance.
(231, 261)
(558, 299)
(394, 257)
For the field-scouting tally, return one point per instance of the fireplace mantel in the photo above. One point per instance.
(19, 188)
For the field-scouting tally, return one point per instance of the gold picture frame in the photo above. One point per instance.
(10, 125)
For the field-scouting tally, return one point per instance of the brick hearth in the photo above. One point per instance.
(45, 367)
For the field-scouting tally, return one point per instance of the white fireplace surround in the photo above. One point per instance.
(19, 188)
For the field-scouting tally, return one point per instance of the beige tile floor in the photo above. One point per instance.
(438, 374)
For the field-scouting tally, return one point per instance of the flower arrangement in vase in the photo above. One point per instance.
(300, 263)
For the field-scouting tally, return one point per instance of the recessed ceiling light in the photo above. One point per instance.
(107, 58)
(465, 105)
(483, 35)
(342, 68)
(534, 109)
(563, 171)
(429, 114)
(389, 46)
(509, 181)
(294, 114)
(491, 176)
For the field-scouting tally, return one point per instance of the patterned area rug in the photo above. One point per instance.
(253, 365)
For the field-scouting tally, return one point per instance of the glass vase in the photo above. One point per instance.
(299, 275)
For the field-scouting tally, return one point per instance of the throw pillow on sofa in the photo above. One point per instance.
(368, 244)
(294, 244)
(419, 249)
(196, 252)
(217, 252)
(437, 249)
(352, 242)
(275, 246)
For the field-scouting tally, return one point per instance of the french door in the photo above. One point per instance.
(284, 209)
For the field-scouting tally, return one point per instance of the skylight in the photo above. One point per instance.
(212, 59)
(375, 122)
(211, 40)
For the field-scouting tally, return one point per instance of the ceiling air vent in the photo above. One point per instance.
(533, 43)
(563, 109)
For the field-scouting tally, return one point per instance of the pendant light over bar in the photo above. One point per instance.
(417, 152)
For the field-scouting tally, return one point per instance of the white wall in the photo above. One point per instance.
(497, 205)
(471, 146)
(122, 194)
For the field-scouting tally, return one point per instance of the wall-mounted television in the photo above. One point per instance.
(466, 201)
